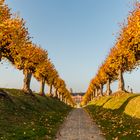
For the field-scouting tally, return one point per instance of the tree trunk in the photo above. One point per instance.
(121, 81)
(101, 89)
(58, 95)
(91, 97)
(51, 89)
(65, 100)
(93, 94)
(61, 97)
(96, 92)
(0, 55)
(27, 81)
(108, 91)
(42, 87)
(55, 93)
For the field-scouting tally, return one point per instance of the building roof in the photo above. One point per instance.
(80, 94)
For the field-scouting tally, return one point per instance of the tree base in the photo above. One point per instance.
(28, 92)
(42, 94)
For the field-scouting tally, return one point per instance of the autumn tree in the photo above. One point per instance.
(16, 46)
(123, 57)
(30, 57)
(53, 75)
(43, 73)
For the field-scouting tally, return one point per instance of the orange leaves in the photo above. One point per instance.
(13, 36)
(13, 33)
(4, 12)
(124, 56)
(16, 46)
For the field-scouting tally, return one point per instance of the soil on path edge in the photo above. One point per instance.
(79, 126)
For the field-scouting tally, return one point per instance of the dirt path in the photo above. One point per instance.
(79, 126)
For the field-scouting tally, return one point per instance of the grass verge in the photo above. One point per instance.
(26, 117)
(117, 116)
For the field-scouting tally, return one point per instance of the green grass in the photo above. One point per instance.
(117, 116)
(117, 101)
(133, 107)
(27, 117)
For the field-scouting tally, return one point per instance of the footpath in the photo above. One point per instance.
(79, 126)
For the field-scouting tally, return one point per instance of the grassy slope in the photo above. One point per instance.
(30, 118)
(118, 116)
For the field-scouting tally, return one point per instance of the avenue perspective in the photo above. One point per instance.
(69, 70)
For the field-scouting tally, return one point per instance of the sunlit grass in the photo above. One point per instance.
(117, 101)
(133, 107)
(117, 116)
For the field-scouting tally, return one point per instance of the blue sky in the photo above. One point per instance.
(77, 34)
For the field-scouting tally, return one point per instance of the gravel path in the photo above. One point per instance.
(79, 126)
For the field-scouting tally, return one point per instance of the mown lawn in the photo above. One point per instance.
(117, 116)
(26, 117)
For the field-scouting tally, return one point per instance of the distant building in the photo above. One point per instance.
(77, 97)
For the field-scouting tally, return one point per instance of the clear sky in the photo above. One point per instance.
(77, 34)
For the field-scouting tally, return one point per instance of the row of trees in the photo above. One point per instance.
(123, 57)
(17, 47)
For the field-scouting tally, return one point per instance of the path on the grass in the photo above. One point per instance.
(79, 126)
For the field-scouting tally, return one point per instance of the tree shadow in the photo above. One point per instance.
(105, 102)
(123, 106)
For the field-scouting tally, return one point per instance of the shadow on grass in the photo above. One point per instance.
(105, 102)
(29, 119)
(123, 106)
(114, 123)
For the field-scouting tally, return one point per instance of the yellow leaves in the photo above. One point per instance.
(13, 35)
(15, 44)
(125, 54)
(4, 12)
